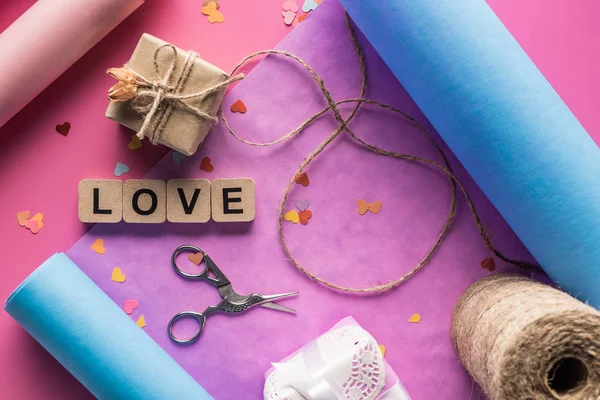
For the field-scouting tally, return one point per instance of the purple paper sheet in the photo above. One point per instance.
(231, 357)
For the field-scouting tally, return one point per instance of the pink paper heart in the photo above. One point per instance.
(290, 5)
(130, 305)
(34, 225)
(288, 17)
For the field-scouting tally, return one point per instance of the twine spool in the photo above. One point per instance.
(520, 339)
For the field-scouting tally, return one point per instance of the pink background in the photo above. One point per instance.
(40, 168)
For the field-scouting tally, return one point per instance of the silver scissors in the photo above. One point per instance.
(231, 303)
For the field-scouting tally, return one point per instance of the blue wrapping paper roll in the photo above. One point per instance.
(505, 123)
(94, 339)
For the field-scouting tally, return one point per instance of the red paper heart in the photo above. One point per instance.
(302, 179)
(238, 106)
(488, 264)
(206, 165)
(304, 216)
(64, 128)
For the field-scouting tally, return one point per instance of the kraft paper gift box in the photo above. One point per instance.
(183, 130)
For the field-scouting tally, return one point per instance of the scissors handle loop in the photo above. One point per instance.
(219, 279)
(199, 317)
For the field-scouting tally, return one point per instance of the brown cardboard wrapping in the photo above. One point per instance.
(183, 131)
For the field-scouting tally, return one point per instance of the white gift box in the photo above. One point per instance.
(345, 363)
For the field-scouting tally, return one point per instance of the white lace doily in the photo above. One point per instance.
(354, 359)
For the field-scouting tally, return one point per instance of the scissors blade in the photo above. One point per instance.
(276, 297)
(278, 307)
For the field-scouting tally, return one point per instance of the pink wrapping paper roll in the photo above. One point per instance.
(46, 40)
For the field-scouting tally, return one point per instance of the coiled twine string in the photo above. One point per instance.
(521, 339)
(333, 107)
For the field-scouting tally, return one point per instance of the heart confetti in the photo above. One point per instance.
(302, 204)
(288, 17)
(238, 106)
(196, 258)
(302, 17)
(35, 223)
(130, 305)
(304, 216)
(382, 348)
(309, 5)
(364, 206)
(98, 246)
(178, 157)
(488, 264)
(141, 322)
(292, 216)
(63, 129)
(415, 318)
(121, 169)
(22, 217)
(206, 165)
(118, 275)
(290, 5)
(214, 15)
(375, 207)
(302, 179)
(135, 143)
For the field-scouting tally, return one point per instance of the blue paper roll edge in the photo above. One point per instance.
(76, 322)
(505, 123)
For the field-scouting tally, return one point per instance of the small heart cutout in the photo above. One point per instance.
(121, 169)
(363, 206)
(415, 318)
(118, 275)
(304, 216)
(178, 157)
(214, 15)
(34, 226)
(288, 17)
(35, 223)
(196, 258)
(302, 204)
(488, 264)
(141, 322)
(135, 143)
(302, 179)
(98, 246)
(206, 165)
(238, 106)
(302, 17)
(290, 5)
(63, 128)
(309, 5)
(22, 217)
(375, 207)
(130, 305)
(292, 216)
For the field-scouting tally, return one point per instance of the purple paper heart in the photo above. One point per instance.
(302, 204)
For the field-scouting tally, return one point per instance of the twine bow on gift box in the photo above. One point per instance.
(156, 98)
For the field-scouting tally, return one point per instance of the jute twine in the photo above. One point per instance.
(520, 339)
(333, 107)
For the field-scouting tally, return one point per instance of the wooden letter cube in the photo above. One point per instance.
(233, 200)
(100, 200)
(144, 201)
(188, 200)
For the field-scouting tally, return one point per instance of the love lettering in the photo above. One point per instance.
(177, 200)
